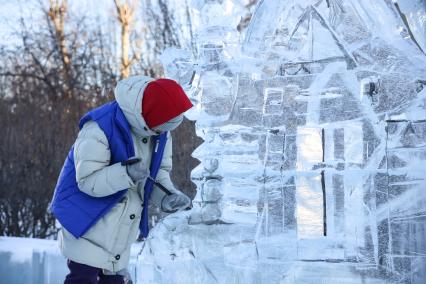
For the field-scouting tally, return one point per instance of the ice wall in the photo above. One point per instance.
(312, 166)
(38, 261)
(32, 261)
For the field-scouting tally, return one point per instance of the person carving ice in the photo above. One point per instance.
(121, 158)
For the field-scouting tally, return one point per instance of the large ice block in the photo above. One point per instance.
(312, 166)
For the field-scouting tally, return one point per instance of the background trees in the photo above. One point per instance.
(64, 65)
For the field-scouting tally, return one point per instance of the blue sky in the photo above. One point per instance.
(12, 10)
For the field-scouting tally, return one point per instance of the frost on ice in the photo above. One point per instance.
(314, 155)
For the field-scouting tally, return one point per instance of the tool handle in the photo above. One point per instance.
(163, 188)
(130, 161)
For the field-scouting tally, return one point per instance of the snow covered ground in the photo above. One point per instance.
(30, 261)
(37, 261)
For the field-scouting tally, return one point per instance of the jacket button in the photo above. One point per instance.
(117, 257)
(145, 140)
(132, 216)
(144, 128)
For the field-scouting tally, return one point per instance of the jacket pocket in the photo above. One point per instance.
(129, 227)
(105, 231)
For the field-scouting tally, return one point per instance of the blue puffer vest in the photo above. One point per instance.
(77, 211)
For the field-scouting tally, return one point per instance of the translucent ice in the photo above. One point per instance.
(312, 166)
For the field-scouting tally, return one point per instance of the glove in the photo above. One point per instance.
(174, 202)
(138, 172)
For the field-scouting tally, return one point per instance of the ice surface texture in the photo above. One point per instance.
(314, 155)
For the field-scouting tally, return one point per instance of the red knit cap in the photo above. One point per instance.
(163, 99)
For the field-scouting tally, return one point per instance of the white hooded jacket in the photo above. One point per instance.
(107, 244)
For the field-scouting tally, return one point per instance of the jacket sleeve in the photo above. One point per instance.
(163, 176)
(92, 158)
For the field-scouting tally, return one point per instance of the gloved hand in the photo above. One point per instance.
(174, 202)
(138, 172)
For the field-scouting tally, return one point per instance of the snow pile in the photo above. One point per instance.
(31, 261)
(36, 261)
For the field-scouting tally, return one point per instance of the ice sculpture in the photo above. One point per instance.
(314, 155)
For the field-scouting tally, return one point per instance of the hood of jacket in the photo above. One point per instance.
(129, 94)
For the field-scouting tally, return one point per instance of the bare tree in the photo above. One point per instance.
(47, 83)
(57, 13)
(125, 16)
(245, 20)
